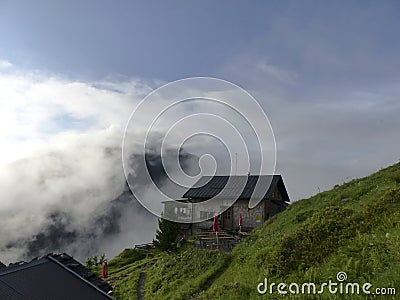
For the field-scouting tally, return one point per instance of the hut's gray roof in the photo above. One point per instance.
(51, 277)
(236, 187)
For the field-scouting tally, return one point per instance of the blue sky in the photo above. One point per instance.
(350, 42)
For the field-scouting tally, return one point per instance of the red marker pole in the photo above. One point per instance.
(104, 270)
(240, 222)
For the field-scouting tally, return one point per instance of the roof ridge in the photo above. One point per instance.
(233, 186)
(80, 276)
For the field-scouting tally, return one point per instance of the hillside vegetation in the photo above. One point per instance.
(353, 228)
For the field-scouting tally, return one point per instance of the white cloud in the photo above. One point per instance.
(5, 64)
(34, 109)
(61, 153)
(275, 72)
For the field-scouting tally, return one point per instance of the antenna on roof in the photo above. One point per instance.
(235, 163)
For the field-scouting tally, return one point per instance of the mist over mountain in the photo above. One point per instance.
(76, 199)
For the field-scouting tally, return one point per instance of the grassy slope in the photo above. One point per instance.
(168, 275)
(353, 228)
(180, 275)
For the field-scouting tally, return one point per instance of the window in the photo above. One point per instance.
(205, 215)
(183, 211)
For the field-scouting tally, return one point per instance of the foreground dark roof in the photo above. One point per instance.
(51, 277)
(217, 186)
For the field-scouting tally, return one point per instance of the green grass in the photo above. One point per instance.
(127, 288)
(124, 272)
(126, 258)
(353, 228)
(180, 275)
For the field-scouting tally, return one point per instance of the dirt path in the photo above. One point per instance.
(142, 279)
(213, 278)
(210, 281)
